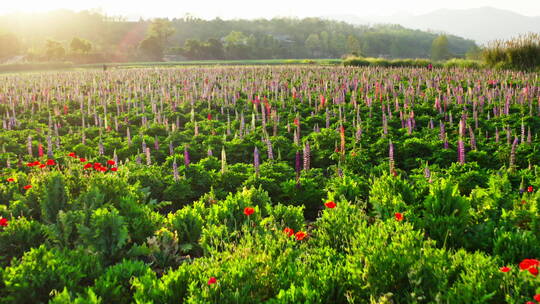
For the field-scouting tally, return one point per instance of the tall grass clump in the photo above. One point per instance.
(522, 53)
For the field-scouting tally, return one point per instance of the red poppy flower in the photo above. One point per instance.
(114, 169)
(296, 122)
(248, 211)
(111, 162)
(533, 271)
(97, 165)
(87, 166)
(528, 263)
(398, 216)
(37, 163)
(330, 205)
(42, 166)
(212, 280)
(537, 297)
(82, 160)
(209, 116)
(505, 269)
(3, 222)
(11, 179)
(27, 187)
(530, 189)
(51, 162)
(530, 302)
(288, 231)
(30, 164)
(300, 235)
(72, 154)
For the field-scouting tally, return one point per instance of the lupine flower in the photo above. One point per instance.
(256, 161)
(461, 152)
(398, 216)
(288, 231)
(212, 281)
(391, 156)
(3, 222)
(209, 116)
(248, 211)
(307, 156)
(300, 235)
(40, 150)
(27, 187)
(513, 152)
(330, 204)
(186, 157)
(505, 269)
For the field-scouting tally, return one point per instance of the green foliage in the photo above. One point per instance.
(114, 285)
(31, 279)
(107, 232)
(522, 52)
(18, 237)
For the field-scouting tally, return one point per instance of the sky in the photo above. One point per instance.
(228, 9)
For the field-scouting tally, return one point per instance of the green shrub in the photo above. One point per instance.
(18, 237)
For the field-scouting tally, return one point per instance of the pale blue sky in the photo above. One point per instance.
(255, 9)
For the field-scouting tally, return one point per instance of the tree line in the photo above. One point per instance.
(92, 35)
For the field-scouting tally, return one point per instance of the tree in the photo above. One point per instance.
(353, 45)
(439, 48)
(151, 48)
(313, 44)
(474, 53)
(80, 45)
(162, 29)
(54, 50)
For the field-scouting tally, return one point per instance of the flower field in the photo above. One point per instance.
(270, 184)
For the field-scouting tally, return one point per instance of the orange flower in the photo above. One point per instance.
(288, 231)
(27, 187)
(300, 235)
(398, 216)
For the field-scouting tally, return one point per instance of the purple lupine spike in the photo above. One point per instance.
(186, 157)
(270, 150)
(156, 143)
(391, 157)
(427, 173)
(431, 123)
(340, 172)
(529, 136)
(196, 131)
(298, 165)
(171, 148)
(49, 147)
(496, 134)
(256, 161)
(442, 131)
(327, 117)
(513, 153)
(175, 170)
(508, 135)
(461, 151)
(385, 124)
(143, 145)
(138, 159)
(522, 131)
(307, 156)
(210, 153)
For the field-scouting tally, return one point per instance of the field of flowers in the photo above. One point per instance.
(283, 184)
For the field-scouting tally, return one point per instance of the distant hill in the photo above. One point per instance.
(480, 24)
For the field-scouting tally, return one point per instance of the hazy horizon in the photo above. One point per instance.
(278, 8)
